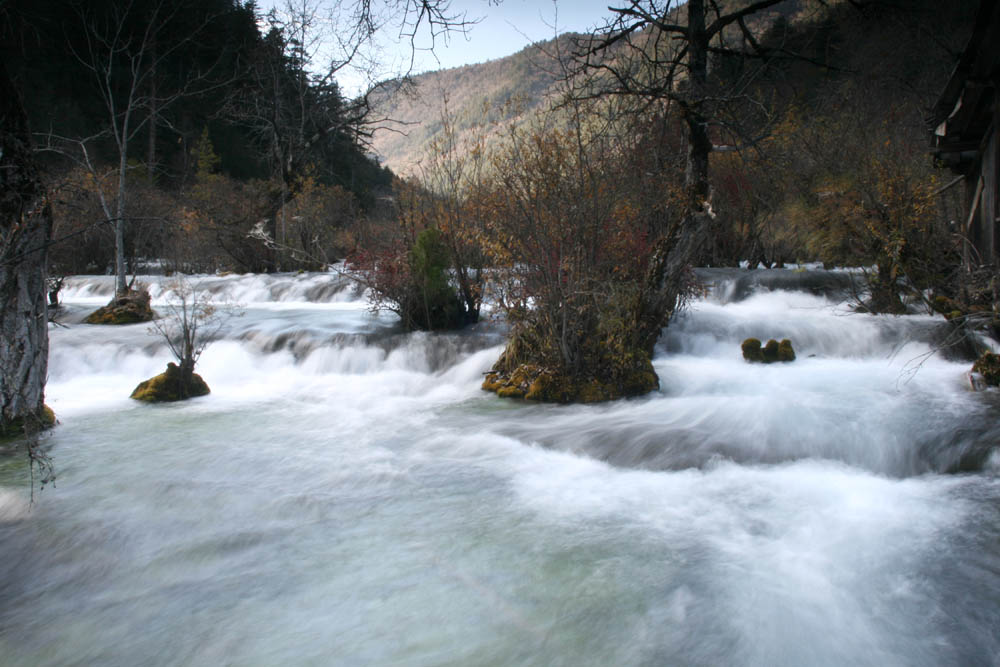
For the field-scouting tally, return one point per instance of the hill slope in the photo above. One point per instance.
(522, 84)
(909, 42)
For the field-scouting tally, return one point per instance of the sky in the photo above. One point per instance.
(510, 26)
(503, 28)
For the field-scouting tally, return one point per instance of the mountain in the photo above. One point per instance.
(517, 86)
(520, 85)
(910, 43)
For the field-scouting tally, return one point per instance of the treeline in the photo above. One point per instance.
(833, 164)
(194, 120)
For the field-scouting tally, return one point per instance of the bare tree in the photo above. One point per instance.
(191, 321)
(124, 64)
(657, 53)
(292, 101)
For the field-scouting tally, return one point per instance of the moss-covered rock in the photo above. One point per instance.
(942, 304)
(129, 309)
(988, 366)
(170, 386)
(535, 383)
(751, 350)
(771, 352)
(33, 424)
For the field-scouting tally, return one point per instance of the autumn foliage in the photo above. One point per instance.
(570, 230)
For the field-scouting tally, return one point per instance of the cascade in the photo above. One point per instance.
(348, 495)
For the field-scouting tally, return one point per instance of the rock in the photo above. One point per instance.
(751, 350)
(129, 309)
(170, 386)
(535, 383)
(772, 351)
(988, 366)
(16, 428)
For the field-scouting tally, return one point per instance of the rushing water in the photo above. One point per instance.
(348, 495)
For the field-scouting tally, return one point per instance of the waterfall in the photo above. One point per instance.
(348, 495)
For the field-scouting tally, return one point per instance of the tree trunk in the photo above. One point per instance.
(25, 229)
(665, 280)
(121, 279)
(699, 143)
(152, 121)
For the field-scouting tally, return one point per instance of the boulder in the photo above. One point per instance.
(751, 350)
(771, 352)
(129, 309)
(18, 427)
(170, 386)
(534, 383)
(988, 366)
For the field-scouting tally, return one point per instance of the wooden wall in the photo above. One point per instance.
(982, 200)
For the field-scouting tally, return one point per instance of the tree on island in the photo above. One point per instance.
(190, 322)
(649, 66)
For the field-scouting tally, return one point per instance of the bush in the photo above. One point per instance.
(432, 303)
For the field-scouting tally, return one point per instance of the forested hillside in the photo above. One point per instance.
(518, 86)
(193, 121)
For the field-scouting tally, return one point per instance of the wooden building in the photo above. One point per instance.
(966, 119)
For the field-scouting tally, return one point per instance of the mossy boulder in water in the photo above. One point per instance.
(988, 366)
(535, 383)
(609, 364)
(751, 350)
(170, 386)
(771, 352)
(32, 424)
(129, 309)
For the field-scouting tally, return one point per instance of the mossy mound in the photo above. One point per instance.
(988, 366)
(21, 425)
(535, 383)
(751, 350)
(129, 309)
(771, 352)
(170, 386)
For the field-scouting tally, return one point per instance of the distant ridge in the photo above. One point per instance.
(518, 85)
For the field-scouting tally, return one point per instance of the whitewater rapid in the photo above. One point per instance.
(348, 495)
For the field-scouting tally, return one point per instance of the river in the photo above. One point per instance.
(347, 495)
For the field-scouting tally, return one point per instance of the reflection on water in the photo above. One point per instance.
(348, 495)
